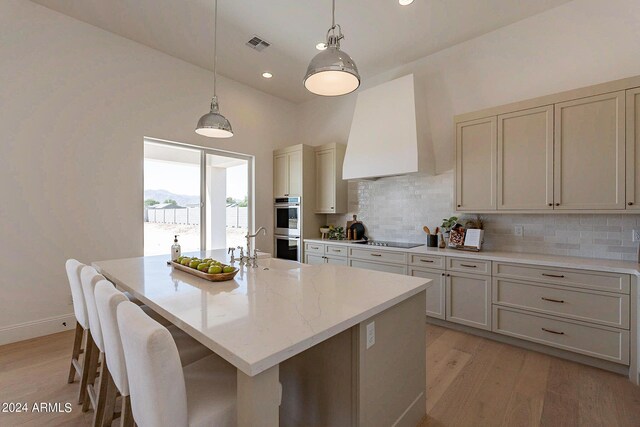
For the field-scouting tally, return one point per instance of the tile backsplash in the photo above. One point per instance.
(396, 208)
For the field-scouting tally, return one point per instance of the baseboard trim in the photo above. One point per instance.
(36, 328)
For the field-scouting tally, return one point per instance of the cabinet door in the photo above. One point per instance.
(476, 156)
(337, 261)
(280, 175)
(525, 159)
(314, 259)
(633, 149)
(325, 181)
(589, 153)
(435, 291)
(468, 300)
(295, 173)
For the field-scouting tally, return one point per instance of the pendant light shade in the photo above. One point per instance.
(213, 124)
(332, 72)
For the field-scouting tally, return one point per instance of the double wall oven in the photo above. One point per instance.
(287, 228)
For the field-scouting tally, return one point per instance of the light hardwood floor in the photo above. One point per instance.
(471, 381)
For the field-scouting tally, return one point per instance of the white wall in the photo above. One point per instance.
(580, 43)
(75, 104)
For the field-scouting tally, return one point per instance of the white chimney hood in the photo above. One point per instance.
(384, 136)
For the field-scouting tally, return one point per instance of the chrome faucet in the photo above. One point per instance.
(255, 252)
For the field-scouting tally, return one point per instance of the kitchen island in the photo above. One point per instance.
(313, 345)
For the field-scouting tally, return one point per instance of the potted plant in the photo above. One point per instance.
(447, 224)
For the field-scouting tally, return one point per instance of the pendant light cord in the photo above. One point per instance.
(215, 40)
(333, 14)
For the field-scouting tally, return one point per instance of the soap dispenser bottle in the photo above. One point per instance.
(175, 249)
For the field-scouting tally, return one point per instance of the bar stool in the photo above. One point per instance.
(107, 300)
(82, 337)
(163, 393)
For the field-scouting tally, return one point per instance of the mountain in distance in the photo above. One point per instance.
(162, 195)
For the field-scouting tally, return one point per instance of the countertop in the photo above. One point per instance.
(612, 266)
(266, 314)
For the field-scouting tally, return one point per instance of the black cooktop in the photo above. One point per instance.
(403, 245)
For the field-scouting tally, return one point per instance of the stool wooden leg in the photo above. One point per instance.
(110, 403)
(88, 358)
(77, 345)
(92, 369)
(106, 397)
(126, 416)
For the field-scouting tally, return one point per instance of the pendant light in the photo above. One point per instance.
(213, 124)
(332, 72)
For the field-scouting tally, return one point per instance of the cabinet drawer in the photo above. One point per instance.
(314, 248)
(332, 250)
(598, 307)
(388, 268)
(612, 282)
(426, 261)
(435, 290)
(378, 256)
(468, 266)
(596, 341)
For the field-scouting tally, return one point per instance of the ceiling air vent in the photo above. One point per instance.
(258, 44)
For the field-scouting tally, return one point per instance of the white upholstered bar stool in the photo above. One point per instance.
(107, 300)
(82, 337)
(163, 393)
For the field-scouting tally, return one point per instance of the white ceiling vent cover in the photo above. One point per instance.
(258, 43)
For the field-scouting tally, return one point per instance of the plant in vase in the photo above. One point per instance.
(336, 233)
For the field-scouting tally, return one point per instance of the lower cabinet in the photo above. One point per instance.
(435, 292)
(314, 259)
(388, 268)
(593, 340)
(468, 300)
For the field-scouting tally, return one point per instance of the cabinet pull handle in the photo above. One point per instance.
(376, 254)
(335, 250)
(552, 300)
(314, 247)
(557, 204)
(550, 204)
(459, 206)
(443, 274)
(426, 260)
(468, 265)
(552, 332)
(558, 276)
(630, 203)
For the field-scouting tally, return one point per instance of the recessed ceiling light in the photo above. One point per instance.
(267, 75)
(321, 46)
(405, 2)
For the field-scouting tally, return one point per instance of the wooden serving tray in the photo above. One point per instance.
(221, 277)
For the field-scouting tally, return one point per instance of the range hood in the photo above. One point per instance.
(385, 138)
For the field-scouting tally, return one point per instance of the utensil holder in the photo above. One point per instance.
(432, 240)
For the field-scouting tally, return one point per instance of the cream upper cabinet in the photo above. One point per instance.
(525, 159)
(331, 189)
(287, 174)
(280, 175)
(633, 149)
(589, 153)
(476, 146)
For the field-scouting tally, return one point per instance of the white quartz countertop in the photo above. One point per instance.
(266, 314)
(611, 266)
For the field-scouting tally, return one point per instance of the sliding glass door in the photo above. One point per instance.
(202, 195)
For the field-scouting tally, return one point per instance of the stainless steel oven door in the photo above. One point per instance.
(287, 219)
(288, 247)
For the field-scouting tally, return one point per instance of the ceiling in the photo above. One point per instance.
(379, 34)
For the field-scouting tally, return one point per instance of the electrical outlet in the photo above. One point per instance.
(635, 235)
(371, 334)
(518, 230)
